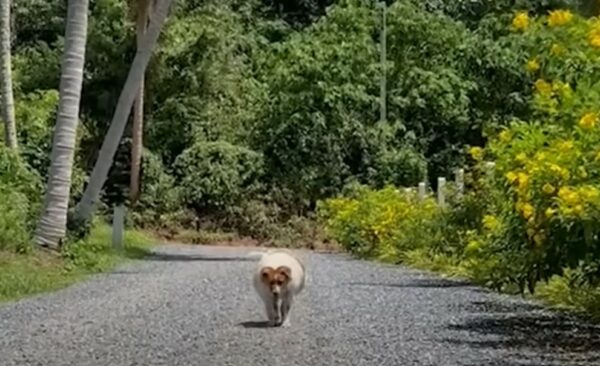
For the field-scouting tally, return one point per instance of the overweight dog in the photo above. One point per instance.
(278, 279)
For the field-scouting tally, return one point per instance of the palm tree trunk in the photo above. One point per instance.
(87, 205)
(8, 104)
(143, 8)
(52, 225)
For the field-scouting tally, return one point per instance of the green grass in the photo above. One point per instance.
(36, 272)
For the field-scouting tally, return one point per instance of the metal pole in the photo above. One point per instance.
(383, 41)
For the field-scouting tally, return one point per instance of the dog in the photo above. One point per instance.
(278, 279)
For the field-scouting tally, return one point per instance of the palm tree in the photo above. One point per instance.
(85, 208)
(8, 104)
(53, 221)
(142, 11)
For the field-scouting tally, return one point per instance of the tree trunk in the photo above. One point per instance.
(52, 225)
(87, 205)
(137, 143)
(8, 104)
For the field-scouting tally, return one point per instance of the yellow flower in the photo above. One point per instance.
(521, 157)
(595, 40)
(523, 181)
(548, 188)
(594, 35)
(476, 152)
(550, 212)
(512, 176)
(563, 89)
(543, 87)
(582, 172)
(521, 21)
(527, 210)
(568, 195)
(578, 210)
(505, 136)
(588, 121)
(490, 222)
(559, 17)
(556, 49)
(560, 171)
(532, 65)
(473, 246)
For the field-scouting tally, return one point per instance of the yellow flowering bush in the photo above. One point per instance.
(381, 223)
(548, 169)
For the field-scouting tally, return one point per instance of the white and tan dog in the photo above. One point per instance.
(278, 279)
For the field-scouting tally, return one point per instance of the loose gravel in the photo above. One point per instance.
(195, 306)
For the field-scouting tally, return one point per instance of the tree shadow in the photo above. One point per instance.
(553, 337)
(499, 307)
(422, 283)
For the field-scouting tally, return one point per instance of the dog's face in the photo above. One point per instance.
(276, 278)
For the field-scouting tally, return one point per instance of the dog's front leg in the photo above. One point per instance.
(286, 307)
(270, 308)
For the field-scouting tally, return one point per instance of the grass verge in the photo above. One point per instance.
(36, 272)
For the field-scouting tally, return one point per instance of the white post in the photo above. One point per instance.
(118, 225)
(460, 182)
(441, 191)
(421, 191)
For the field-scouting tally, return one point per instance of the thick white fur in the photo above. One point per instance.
(275, 259)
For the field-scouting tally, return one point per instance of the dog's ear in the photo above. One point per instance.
(285, 271)
(266, 273)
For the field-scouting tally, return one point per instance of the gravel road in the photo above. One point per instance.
(195, 306)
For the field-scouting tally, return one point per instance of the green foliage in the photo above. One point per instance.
(14, 220)
(216, 175)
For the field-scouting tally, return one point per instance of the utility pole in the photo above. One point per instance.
(383, 91)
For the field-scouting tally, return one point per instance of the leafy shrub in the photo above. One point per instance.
(14, 219)
(547, 168)
(383, 223)
(160, 202)
(22, 185)
(215, 176)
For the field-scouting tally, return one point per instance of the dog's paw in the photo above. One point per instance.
(286, 323)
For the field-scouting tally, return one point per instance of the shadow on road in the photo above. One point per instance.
(426, 283)
(255, 324)
(558, 339)
(499, 307)
(164, 257)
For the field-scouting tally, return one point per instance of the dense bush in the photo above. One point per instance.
(385, 223)
(20, 200)
(217, 175)
(14, 220)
